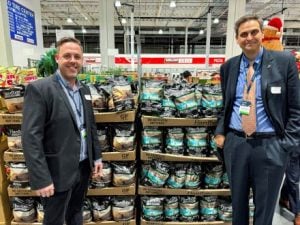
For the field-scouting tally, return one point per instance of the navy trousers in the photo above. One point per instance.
(258, 164)
(290, 189)
(67, 206)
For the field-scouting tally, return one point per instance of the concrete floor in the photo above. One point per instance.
(283, 217)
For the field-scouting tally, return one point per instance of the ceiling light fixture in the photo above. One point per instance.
(118, 3)
(172, 4)
(69, 20)
(265, 22)
(201, 31)
(83, 30)
(123, 21)
(216, 20)
(160, 31)
(85, 18)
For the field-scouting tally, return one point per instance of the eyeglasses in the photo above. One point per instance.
(253, 33)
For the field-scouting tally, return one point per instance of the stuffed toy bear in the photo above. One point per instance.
(272, 34)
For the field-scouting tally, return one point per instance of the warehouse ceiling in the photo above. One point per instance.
(157, 13)
(152, 15)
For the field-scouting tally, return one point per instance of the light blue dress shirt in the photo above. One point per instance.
(74, 98)
(263, 123)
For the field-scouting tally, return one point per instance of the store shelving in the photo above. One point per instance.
(154, 121)
(107, 117)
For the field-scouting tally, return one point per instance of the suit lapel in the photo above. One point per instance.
(268, 72)
(233, 77)
(62, 93)
(83, 92)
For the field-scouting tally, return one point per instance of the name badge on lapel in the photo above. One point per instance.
(88, 97)
(276, 90)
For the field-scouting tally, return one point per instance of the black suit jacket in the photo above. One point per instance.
(283, 109)
(50, 136)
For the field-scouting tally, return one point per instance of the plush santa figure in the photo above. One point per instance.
(272, 35)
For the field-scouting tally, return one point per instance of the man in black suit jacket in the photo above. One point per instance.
(59, 137)
(258, 159)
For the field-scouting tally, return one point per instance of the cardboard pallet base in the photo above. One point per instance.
(130, 222)
(144, 222)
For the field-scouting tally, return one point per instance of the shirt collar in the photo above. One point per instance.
(257, 60)
(67, 83)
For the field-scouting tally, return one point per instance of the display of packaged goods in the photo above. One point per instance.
(185, 209)
(13, 98)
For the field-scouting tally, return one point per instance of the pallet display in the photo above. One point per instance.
(154, 121)
(5, 212)
(17, 156)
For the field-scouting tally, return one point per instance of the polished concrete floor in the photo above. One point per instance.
(282, 217)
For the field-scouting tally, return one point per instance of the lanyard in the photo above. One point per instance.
(77, 107)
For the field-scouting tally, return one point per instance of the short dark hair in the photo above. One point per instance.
(186, 74)
(244, 19)
(66, 40)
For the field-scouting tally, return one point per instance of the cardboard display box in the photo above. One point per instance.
(175, 158)
(10, 156)
(144, 190)
(149, 121)
(130, 222)
(106, 117)
(144, 222)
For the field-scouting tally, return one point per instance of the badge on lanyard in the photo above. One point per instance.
(245, 108)
(83, 132)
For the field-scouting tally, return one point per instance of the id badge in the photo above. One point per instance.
(83, 133)
(245, 108)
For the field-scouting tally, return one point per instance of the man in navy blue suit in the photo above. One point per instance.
(261, 87)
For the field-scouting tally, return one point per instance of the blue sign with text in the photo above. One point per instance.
(21, 23)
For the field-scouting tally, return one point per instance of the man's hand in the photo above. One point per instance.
(219, 140)
(46, 191)
(98, 172)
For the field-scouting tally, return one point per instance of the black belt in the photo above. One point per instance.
(255, 135)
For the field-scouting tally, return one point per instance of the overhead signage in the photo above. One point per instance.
(21, 23)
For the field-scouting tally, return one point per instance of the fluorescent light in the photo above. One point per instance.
(83, 30)
(172, 4)
(117, 3)
(216, 20)
(160, 31)
(123, 20)
(69, 20)
(201, 31)
(85, 18)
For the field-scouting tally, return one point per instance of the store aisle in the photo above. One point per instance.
(282, 217)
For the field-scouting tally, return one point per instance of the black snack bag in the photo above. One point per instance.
(175, 141)
(157, 174)
(196, 141)
(189, 209)
(123, 208)
(102, 210)
(122, 94)
(152, 139)
(123, 173)
(23, 209)
(105, 180)
(177, 176)
(209, 208)
(152, 208)
(151, 97)
(124, 137)
(171, 209)
(193, 176)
